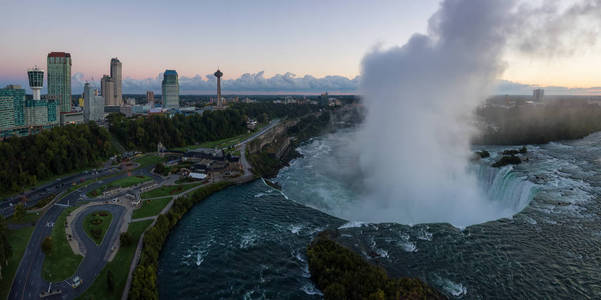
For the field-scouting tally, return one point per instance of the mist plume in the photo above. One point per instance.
(415, 142)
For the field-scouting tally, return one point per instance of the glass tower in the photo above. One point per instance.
(59, 79)
(170, 89)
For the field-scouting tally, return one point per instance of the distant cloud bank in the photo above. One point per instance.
(248, 82)
(284, 83)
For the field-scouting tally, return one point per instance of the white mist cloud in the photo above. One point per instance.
(415, 142)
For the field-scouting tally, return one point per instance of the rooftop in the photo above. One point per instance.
(59, 54)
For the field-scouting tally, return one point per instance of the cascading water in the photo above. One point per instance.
(505, 186)
(326, 180)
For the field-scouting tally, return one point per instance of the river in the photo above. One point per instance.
(248, 242)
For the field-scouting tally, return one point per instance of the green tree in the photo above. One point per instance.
(5, 248)
(20, 211)
(110, 281)
(47, 245)
(125, 239)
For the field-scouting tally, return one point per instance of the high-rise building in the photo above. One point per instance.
(93, 104)
(107, 87)
(170, 89)
(59, 79)
(150, 98)
(36, 81)
(218, 74)
(538, 94)
(116, 76)
(324, 100)
(12, 108)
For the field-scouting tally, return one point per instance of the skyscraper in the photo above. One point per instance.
(218, 74)
(107, 88)
(170, 89)
(36, 81)
(93, 104)
(538, 94)
(150, 98)
(12, 108)
(59, 79)
(116, 76)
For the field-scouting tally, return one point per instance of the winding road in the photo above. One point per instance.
(28, 282)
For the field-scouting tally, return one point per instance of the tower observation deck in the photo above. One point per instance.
(36, 81)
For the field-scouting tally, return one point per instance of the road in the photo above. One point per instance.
(54, 187)
(272, 124)
(28, 281)
(245, 164)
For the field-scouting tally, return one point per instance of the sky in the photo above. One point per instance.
(260, 46)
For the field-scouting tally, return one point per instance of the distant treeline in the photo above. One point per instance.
(343, 274)
(144, 133)
(144, 280)
(538, 124)
(28, 160)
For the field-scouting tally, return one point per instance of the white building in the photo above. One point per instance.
(93, 105)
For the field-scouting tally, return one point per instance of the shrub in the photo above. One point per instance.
(507, 160)
(125, 239)
(47, 245)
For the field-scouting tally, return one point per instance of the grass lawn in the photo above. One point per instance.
(29, 218)
(224, 143)
(18, 240)
(168, 190)
(62, 262)
(96, 224)
(148, 160)
(123, 182)
(119, 267)
(150, 208)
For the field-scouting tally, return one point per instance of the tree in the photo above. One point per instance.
(5, 248)
(161, 169)
(125, 239)
(110, 282)
(47, 245)
(20, 211)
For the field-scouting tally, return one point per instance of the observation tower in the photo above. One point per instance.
(36, 81)
(218, 74)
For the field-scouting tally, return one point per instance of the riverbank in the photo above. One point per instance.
(269, 157)
(144, 281)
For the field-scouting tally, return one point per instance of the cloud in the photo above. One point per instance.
(248, 82)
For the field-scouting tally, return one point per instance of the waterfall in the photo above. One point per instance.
(505, 186)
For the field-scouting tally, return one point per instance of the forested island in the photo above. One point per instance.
(342, 274)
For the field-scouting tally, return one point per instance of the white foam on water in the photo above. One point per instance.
(248, 239)
(353, 224)
(423, 234)
(295, 228)
(408, 246)
(310, 289)
(453, 288)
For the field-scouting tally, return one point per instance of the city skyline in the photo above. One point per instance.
(255, 42)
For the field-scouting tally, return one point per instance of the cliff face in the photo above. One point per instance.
(273, 140)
